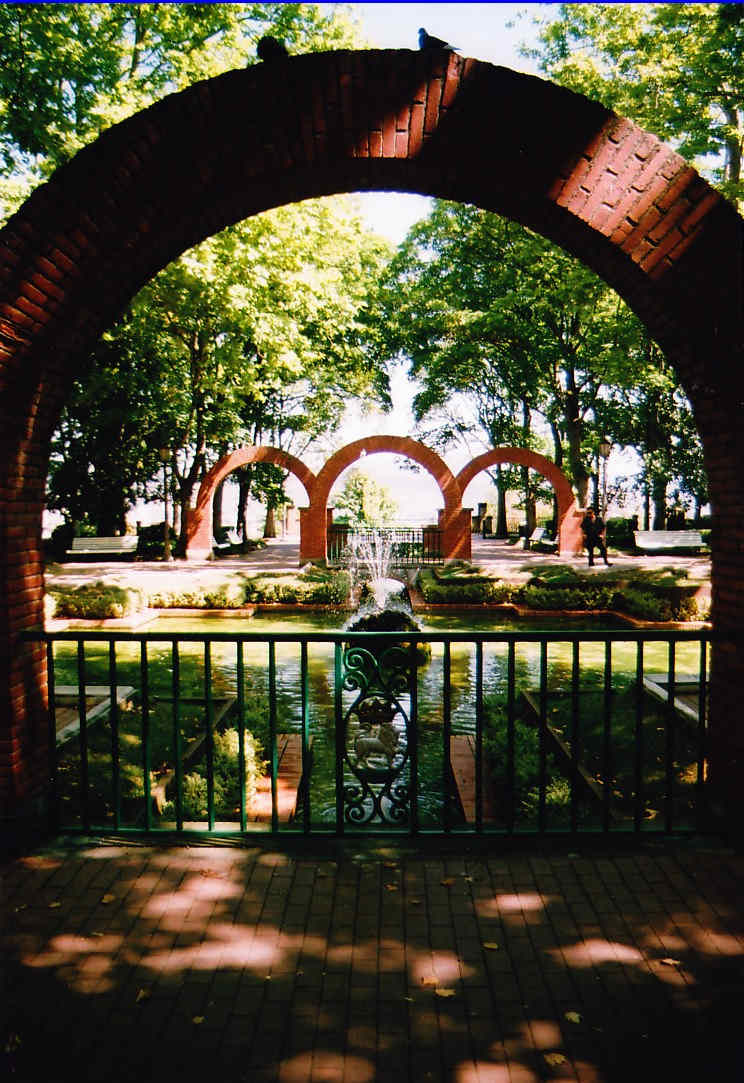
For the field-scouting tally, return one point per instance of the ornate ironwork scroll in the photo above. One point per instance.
(376, 734)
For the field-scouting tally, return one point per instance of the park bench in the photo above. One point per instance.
(232, 541)
(97, 547)
(539, 538)
(657, 540)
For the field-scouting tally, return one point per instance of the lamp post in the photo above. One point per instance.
(604, 448)
(165, 455)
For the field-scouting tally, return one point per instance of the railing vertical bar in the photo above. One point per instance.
(447, 778)
(413, 735)
(479, 737)
(240, 691)
(273, 737)
(669, 753)
(306, 817)
(209, 724)
(543, 723)
(114, 720)
(145, 693)
(700, 807)
(575, 701)
(177, 749)
(338, 739)
(510, 734)
(638, 742)
(83, 735)
(53, 791)
(607, 738)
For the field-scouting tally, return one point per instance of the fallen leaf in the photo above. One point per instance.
(573, 1017)
(440, 991)
(448, 881)
(96, 934)
(468, 878)
(670, 962)
(54, 905)
(391, 887)
(414, 902)
(23, 906)
(491, 945)
(108, 899)
(198, 1019)
(390, 864)
(143, 994)
(554, 1059)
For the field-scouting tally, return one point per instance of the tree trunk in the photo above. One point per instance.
(270, 524)
(529, 501)
(217, 508)
(502, 530)
(659, 488)
(646, 507)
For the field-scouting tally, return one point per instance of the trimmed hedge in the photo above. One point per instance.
(94, 601)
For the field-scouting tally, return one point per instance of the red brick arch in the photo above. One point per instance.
(199, 526)
(456, 537)
(444, 125)
(568, 527)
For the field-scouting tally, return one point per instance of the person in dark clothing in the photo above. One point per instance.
(594, 529)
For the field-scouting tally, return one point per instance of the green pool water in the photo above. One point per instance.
(430, 686)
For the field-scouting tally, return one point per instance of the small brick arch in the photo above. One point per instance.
(439, 124)
(454, 522)
(199, 525)
(568, 527)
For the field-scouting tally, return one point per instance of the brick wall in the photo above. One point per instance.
(248, 140)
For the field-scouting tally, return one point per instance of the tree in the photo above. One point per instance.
(364, 502)
(675, 69)
(254, 336)
(68, 71)
(501, 327)
(653, 416)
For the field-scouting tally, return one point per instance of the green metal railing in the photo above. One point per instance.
(386, 753)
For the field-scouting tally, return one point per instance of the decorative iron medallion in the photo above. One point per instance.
(375, 734)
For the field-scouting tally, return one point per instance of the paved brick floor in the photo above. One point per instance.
(363, 963)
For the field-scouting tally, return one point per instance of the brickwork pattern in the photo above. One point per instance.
(439, 124)
(371, 965)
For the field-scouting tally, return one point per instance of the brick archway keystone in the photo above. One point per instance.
(568, 527)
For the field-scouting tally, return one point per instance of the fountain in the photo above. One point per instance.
(381, 676)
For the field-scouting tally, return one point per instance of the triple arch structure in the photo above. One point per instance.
(454, 519)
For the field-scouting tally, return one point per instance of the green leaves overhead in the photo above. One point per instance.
(675, 69)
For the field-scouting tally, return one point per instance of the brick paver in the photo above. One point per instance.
(368, 963)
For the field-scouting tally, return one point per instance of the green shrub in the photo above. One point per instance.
(557, 796)
(226, 777)
(97, 601)
(315, 586)
(227, 595)
(463, 590)
(526, 752)
(644, 605)
(581, 597)
(150, 540)
(686, 609)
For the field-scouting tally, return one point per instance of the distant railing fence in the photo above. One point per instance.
(478, 733)
(410, 547)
